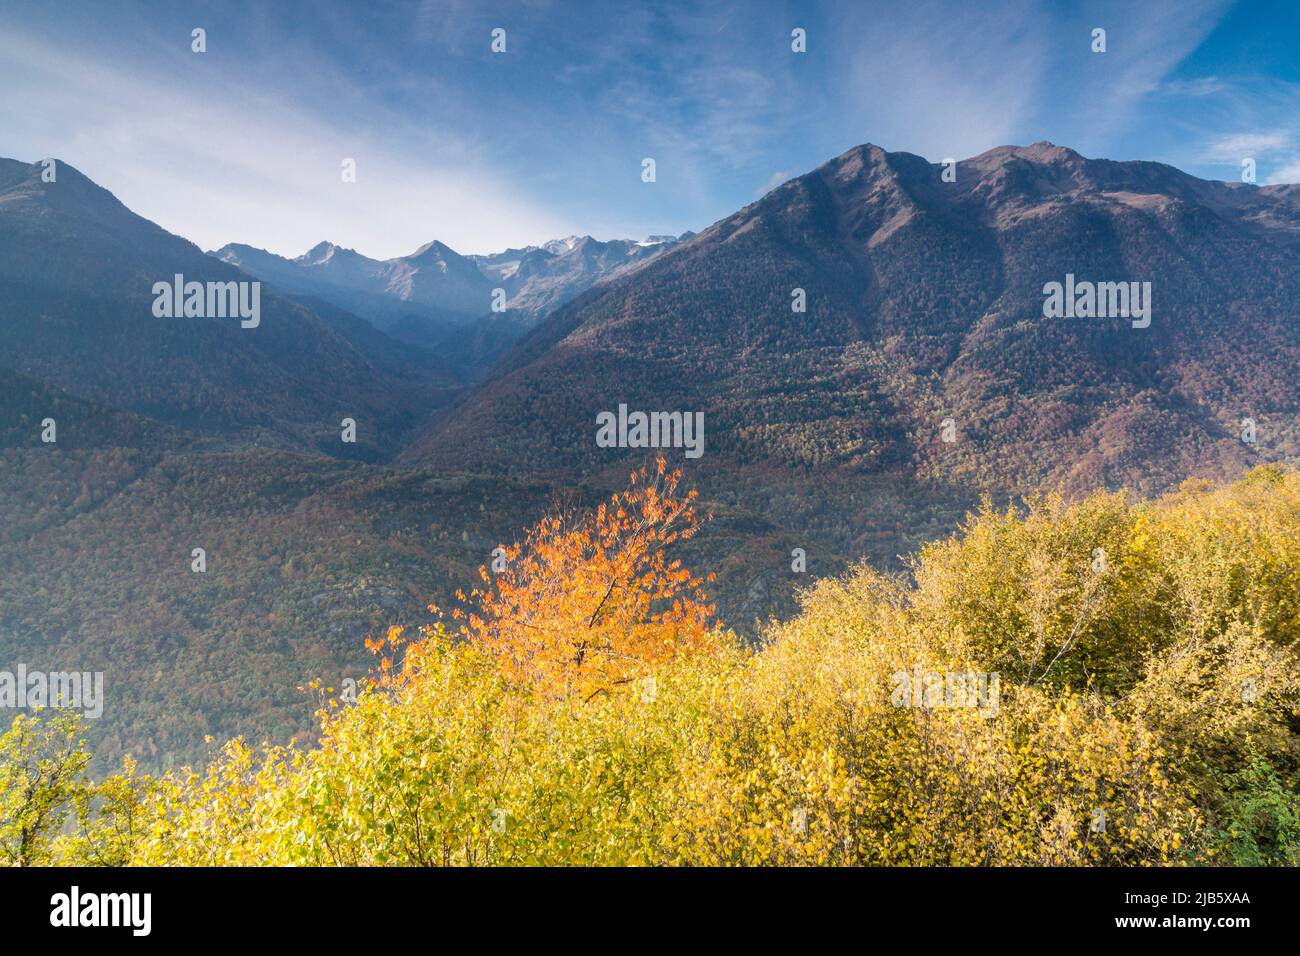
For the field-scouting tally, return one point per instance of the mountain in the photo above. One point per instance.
(823, 428)
(416, 297)
(77, 424)
(539, 279)
(435, 296)
(924, 302)
(78, 311)
(306, 556)
(157, 425)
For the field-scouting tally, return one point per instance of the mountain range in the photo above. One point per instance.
(77, 270)
(434, 295)
(924, 304)
(867, 345)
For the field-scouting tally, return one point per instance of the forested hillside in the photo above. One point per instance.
(1104, 682)
(868, 346)
(77, 273)
(304, 557)
(920, 376)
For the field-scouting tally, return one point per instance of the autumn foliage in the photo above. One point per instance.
(588, 602)
(1149, 662)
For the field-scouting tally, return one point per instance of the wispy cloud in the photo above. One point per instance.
(1201, 86)
(217, 161)
(1233, 148)
(483, 151)
(1245, 117)
(776, 179)
(1289, 173)
(940, 79)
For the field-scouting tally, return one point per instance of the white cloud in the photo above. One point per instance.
(482, 156)
(1289, 173)
(1202, 86)
(942, 80)
(1233, 148)
(776, 179)
(220, 163)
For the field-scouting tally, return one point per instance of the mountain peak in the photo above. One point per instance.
(236, 253)
(70, 187)
(1041, 153)
(1046, 152)
(867, 149)
(868, 162)
(867, 154)
(322, 252)
(567, 244)
(432, 251)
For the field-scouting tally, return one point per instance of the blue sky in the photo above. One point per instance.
(483, 151)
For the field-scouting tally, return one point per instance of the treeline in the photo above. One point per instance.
(1104, 682)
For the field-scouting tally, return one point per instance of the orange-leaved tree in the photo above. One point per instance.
(588, 600)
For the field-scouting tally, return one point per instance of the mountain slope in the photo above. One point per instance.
(432, 295)
(432, 289)
(77, 272)
(305, 557)
(539, 279)
(924, 302)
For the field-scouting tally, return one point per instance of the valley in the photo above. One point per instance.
(915, 375)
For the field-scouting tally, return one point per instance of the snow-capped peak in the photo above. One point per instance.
(561, 246)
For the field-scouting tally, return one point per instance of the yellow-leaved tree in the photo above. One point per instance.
(587, 601)
(1120, 686)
